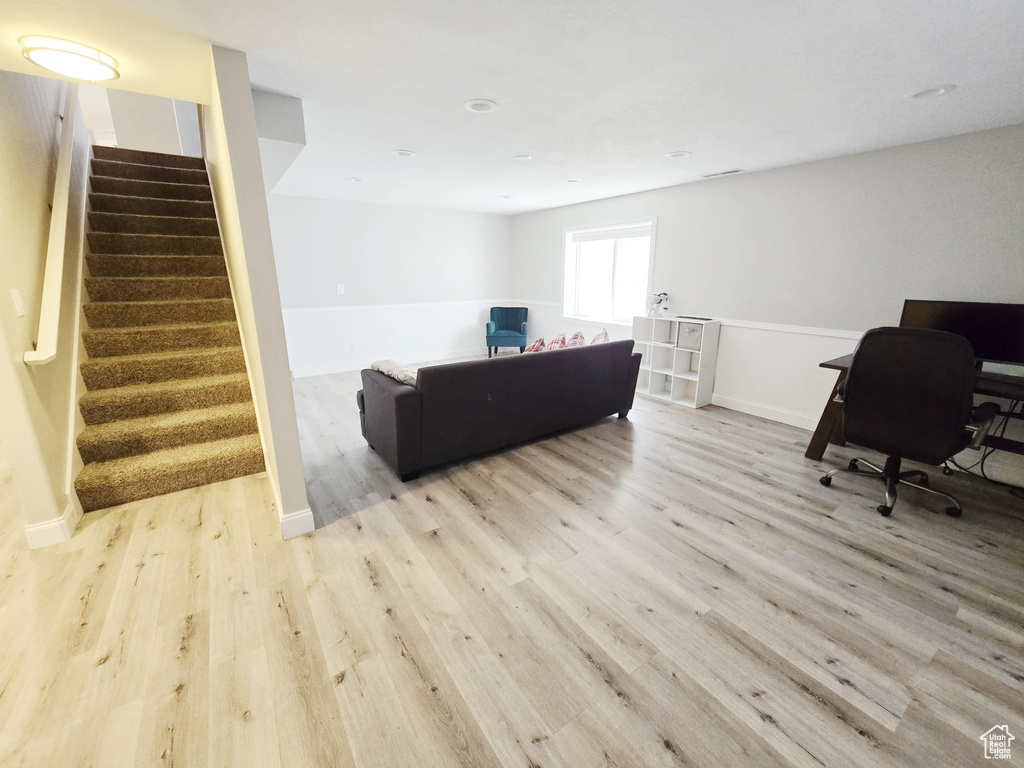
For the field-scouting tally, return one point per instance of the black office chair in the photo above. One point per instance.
(910, 395)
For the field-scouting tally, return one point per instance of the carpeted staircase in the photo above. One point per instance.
(168, 404)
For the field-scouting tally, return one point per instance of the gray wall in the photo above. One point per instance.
(386, 254)
(835, 244)
(144, 122)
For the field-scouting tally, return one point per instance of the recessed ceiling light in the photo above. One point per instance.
(523, 158)
(679, 153)
(74, 60)
(504, 197)
(404, 153)
(931, 93)
(355, 178)
(480, 106)
(573, 181)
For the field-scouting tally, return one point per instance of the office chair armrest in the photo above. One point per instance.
(982, 419)
(491, 327)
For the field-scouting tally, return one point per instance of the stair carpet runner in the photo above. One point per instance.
(168, 404)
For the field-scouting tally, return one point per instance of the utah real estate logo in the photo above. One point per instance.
(997, 742)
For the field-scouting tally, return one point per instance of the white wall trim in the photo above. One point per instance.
(766, 412)
(801, 329)
(297, 523)
(53, 531)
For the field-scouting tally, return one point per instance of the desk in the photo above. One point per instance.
(830, 425)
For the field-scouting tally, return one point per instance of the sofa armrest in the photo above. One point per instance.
(523, 329)
(392, 421)
(632, 373)
(361, 403)
(491, 327)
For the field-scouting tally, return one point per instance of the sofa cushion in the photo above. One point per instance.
(601, 338)
(557, 343)
(537, 346)
(577, 340)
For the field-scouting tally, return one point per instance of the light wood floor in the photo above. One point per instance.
(675, 589)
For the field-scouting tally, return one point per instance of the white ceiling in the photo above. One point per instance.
(599, 90)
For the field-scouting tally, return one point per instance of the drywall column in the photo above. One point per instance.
(233, 157)
(37, 402)
(282, 132)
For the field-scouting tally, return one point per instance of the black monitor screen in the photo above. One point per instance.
(996, 331)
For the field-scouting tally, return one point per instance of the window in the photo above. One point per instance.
(606, 272)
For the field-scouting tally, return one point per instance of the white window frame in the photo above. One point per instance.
(570, 285)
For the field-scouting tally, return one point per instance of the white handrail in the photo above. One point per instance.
(53, 276)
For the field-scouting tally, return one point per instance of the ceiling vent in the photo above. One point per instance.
(724, 173)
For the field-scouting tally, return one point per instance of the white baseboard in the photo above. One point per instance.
(767, 412)
(53, 531)
(297, 523)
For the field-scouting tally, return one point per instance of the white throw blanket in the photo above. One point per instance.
(406, 374)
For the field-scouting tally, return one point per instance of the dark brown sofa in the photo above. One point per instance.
(462, 409)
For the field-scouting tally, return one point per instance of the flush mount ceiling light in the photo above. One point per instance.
(504, 197)
(523, 158)
(481, 106)
(355, 178)
(74, 60)
(678, 154)
(573, 181)
(404, 153)
(933, 92)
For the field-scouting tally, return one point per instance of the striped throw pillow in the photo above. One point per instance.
(537, 346)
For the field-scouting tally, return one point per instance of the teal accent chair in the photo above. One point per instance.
(507, 328)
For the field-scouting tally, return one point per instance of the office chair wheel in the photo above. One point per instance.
(825, 480)
(954, 511)
(883, 510)
(854, 466)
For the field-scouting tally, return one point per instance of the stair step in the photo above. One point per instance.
(120, 242)
(131, 437)
(132, 224)
(157, 288)
(119, 170)
(109, 483)
(151, 206)
(140, 157)
(135, 400)
(114, 342)
(123, 314)
(123, 265)
(159, 189)
(156, 367)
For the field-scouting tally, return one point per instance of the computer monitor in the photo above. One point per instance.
(996, 331)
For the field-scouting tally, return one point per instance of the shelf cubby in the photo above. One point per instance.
(678, 357)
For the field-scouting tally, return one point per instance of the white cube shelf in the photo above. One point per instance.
(678, 358)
